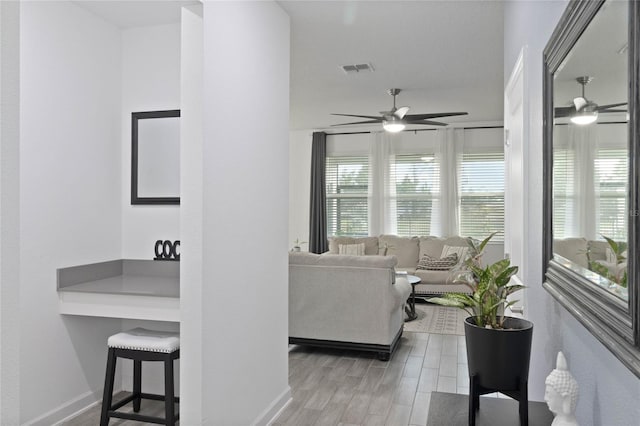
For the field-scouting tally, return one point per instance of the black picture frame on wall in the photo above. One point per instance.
(612, 320)
(136, 197)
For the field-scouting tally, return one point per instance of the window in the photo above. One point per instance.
(609, 188)
(417, 188)
(563, 193)
(347, 183)
(482, 195)
(612, 171)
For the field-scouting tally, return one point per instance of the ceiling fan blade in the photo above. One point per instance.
(427, 123)
(579, 102)
(432, 115)
(560, 112)
(603, 107)
(373, 117)
(400, 112)
(613, 110)
(357, 122)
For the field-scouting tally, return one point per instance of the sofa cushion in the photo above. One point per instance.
(433, 246)
(370, 244)
(573, 249)
(460, 251)
(305, 258)
(597, 250)
(351, 249)
(610, 256)
(406, 249)
(437, 264)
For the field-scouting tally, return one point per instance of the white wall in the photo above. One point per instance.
(245, 190)
(70, 180)
(150, 82)
(608, 391)
(9, 213)
(191, 214)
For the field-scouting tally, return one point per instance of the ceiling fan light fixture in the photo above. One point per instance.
(393, 124)
(584, 117)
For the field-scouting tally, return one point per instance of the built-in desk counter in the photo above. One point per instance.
(125, 288)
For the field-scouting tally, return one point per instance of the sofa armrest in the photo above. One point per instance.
(401, 292)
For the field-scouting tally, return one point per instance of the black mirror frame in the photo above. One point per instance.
(612, 321)
(135, 116)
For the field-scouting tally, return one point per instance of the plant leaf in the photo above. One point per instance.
(486, 240)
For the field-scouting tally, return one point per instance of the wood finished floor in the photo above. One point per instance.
(346, 388)
(91, 417)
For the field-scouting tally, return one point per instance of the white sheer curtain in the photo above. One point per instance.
(449, 154)
(583, 145)
(382, 206)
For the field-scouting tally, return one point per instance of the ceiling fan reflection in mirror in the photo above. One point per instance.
(396, 119)
(584, 111)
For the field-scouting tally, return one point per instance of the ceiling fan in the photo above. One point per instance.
(396, 119)
(584, 111)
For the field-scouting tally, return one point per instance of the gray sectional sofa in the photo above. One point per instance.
(343, 301)
(409, 251)
(575, 249)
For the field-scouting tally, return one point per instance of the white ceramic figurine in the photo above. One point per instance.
(561, 394)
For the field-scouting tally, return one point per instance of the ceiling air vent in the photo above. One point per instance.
(352, 69)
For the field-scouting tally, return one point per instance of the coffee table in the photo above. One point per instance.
(410, 308)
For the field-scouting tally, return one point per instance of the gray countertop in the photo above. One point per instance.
(124, 277)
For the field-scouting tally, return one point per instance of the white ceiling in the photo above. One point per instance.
(596, 54)
(134, 13)
(445, 55)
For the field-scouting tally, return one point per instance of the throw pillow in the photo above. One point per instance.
(351, 249)
(610, 257)
(459, 250)
(432, 264)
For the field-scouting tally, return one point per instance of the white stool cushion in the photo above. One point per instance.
(141, 339)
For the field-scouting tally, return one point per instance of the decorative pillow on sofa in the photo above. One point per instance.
(432, 264)
(460, 251)
(370, 244)
(351, 249)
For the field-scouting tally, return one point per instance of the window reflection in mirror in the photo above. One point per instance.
(590, 152)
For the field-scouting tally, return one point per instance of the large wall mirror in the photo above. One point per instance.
(155, 157)
(591, 171)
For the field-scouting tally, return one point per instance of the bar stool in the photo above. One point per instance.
(140, 345)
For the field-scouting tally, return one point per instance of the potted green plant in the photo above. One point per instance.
(498, 346)
(618, 275)
(297, 243)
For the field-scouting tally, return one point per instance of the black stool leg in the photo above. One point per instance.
(107, 396)
(137, 384)
(168, 392)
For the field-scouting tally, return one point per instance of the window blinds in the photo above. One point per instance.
(347, 181)
(482, 195)
(612, 171)
(609, 188)
(417, 189)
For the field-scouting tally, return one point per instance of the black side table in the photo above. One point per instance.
(410, 308)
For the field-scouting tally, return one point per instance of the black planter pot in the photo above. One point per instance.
(499, 362)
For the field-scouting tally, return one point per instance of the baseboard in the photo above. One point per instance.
(68, 410)
(274, 409)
